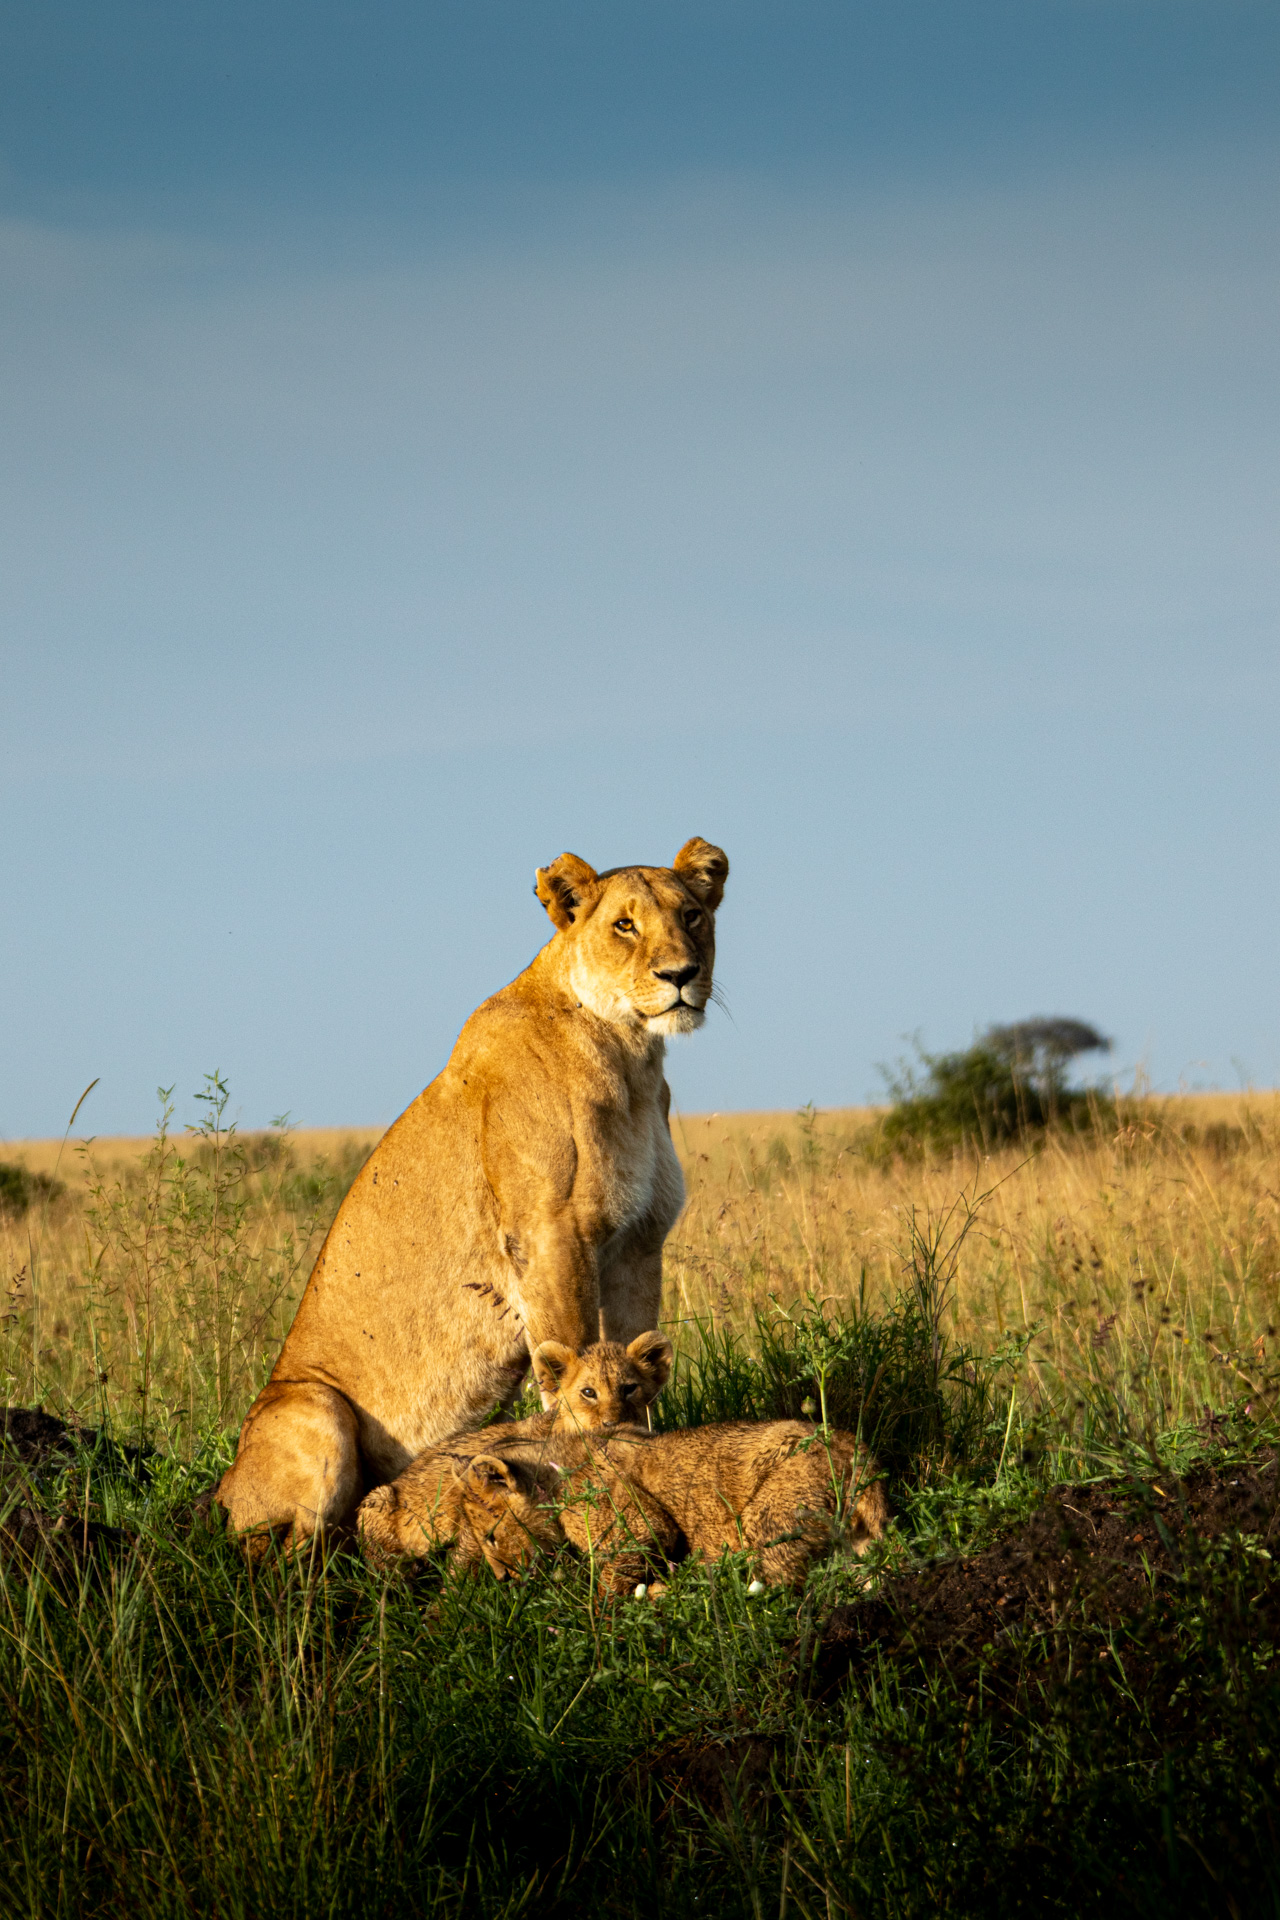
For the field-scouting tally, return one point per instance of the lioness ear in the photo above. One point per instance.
(652, 1352)
(551, 1361)
(704, 870)
(561, 885)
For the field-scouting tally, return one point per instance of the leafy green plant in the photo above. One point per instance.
(20, 1189)
(1010, 1083)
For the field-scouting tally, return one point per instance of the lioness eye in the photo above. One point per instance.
(624, 925)
(693, 916)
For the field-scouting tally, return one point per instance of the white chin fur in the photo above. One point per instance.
(676, 1020)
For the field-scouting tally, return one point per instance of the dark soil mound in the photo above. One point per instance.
(28, 1536)
(35, 1438)
(36, 1446)
(1093, 1556)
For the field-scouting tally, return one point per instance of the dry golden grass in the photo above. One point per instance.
(158, 1285)
(112, 1152)
(1146, 1254)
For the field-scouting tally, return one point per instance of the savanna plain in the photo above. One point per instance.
(1052, 1689)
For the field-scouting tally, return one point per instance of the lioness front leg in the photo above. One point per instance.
(297, 1469)
(631, 1295)
(559, 1285)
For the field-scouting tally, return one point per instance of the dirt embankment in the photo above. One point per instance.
(1103, 1555)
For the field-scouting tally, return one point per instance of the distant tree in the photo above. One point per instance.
(20, 1189)
(1012, 1081)
(1038, 1052)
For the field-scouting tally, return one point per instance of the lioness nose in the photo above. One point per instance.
(678, 976)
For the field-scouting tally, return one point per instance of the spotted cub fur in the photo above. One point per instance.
(545, 1467)
(785, 1489)
(488, 1510)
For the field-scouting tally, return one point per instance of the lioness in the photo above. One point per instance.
(523, 1197)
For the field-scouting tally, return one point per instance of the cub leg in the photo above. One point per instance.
(297, 1469)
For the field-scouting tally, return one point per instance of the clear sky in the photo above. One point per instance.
(437, 436)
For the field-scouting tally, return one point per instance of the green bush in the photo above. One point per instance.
(21, 1189)
(1011, 1083)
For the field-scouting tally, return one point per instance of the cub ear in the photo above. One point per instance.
(653, 1354)
(551, 1362)
(560, 887)
(704, 870)
(487, 1477)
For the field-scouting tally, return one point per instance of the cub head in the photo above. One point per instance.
(508, 1514)
(607, 1386)
(639, 942)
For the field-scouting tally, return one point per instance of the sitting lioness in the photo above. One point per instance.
(523, 1197)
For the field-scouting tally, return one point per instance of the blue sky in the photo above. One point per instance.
(439, 436)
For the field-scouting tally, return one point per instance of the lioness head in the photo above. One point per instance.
(607, 1386)
(640, 941)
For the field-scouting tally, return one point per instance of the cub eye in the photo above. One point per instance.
(624, 925)
(589, 1393)
(627, 1390)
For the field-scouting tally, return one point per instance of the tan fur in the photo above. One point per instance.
(584, 1495)
(785, 1489)
(607, 1386)
(488, 1510)
(563, 1451)
(523, 1197)
(627, 1534)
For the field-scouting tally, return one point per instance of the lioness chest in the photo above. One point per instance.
(641, 1187)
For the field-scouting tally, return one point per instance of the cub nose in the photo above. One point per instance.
(678, 976)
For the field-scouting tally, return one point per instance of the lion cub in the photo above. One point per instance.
(607, 1385)
(505, 1509)
(783, 1488)
(485, 1509)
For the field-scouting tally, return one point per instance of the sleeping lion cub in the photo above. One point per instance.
(786, 1489)
(486, 1509)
